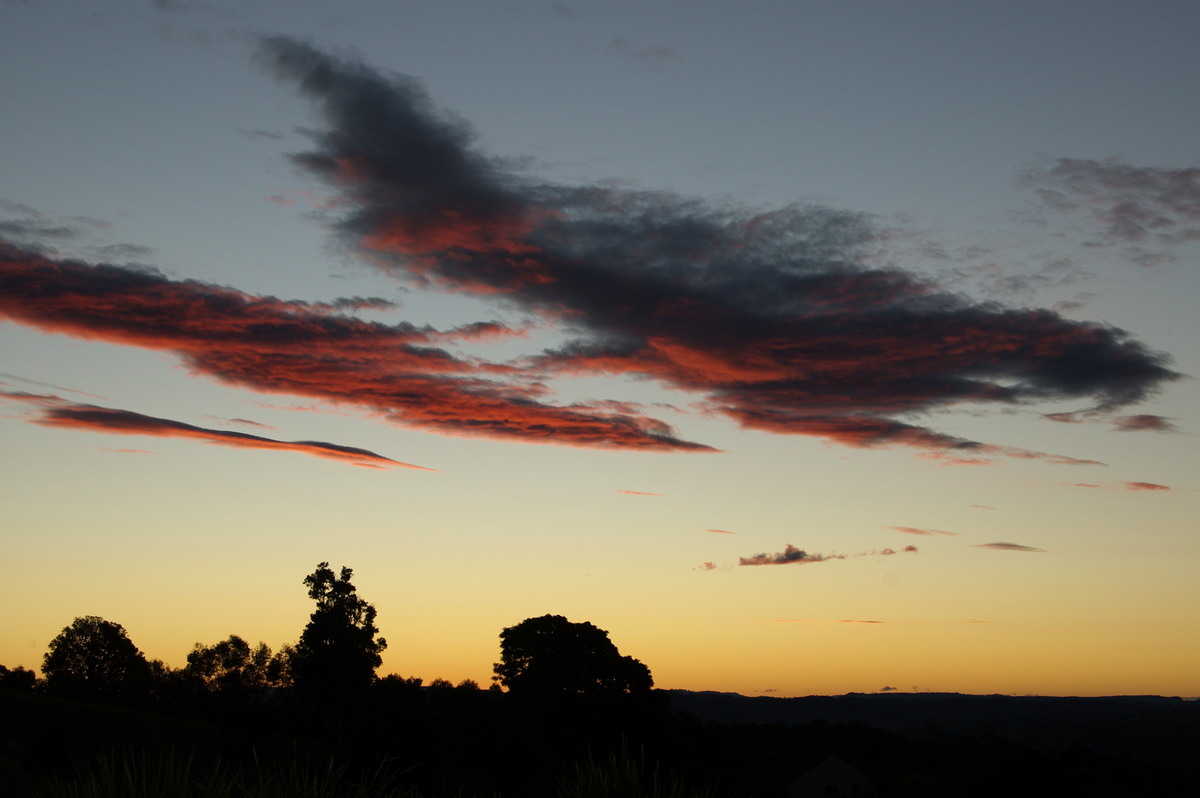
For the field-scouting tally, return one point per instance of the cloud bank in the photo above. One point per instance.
(768, 318)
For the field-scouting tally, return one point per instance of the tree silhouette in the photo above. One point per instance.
(230, 666)
(551, 656)
(338, 651)
(94, 657)
(18, 678)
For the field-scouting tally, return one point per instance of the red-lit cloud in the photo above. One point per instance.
(638, 493)
(301, 349)
(1135, 486)
(53, 412)
(1143, 422)
(720, 532)
(770, 317)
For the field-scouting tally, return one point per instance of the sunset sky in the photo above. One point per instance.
(805, 347)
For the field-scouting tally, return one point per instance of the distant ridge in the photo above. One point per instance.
(1153, 728)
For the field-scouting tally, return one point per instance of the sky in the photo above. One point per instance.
(805, 347)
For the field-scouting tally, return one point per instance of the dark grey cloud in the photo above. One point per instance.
(771, 318)
(794, 556)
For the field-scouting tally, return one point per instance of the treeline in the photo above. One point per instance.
(568, 716)
(563, 696)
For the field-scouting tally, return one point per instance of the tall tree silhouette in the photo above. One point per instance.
(93, 658)
(338, 651)
(553, 657)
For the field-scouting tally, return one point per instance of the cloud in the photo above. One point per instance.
(1132, 205)
(792, 555)
(770, 318)
(720, 532)
(654, 52)
(707, 566)
(638, 493)
(306, 349)
(1006, 547)
(1136, 486)
(1142, 422)
(54, 412)
(912, 530)
(1145, 486)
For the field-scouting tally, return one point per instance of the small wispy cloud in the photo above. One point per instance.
(638, 493)
(1146, 211)
(720, 531)
(1134, 486)
(913, 530)
(652, 52)
(1143, 422)
(1007, 547)
(794, 556)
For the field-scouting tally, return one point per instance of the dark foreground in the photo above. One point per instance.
(429, 742)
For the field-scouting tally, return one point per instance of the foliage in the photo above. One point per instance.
(18, 678)
(623, 775)
(169, 774)
(231, 666)
(94, 657)
(338, 651)
(550, 656)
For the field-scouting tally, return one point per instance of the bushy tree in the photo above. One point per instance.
(230, 666)
(94, 657)
(18, 678)
(551, 656)
(338, 651)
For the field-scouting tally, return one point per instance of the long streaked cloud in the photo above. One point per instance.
(1134, 486)
(1140, 422)
(1007, 547)
(913, 530)
(794, 556)
(306, 349)
(771, 318)
(55, 412)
